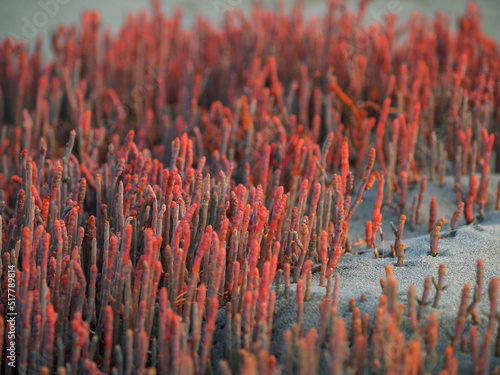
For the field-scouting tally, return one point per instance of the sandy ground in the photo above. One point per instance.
(360, 272)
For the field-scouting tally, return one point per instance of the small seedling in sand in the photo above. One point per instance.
(435, 234)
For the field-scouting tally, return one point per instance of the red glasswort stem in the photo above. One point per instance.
(457, 215)
(423, 185)
(380, 134)
(400, 253)
(498, 197)
(432, 214)
(399, 232)
(362, 187)
(488, 146)
(435, 234)
(471, 197)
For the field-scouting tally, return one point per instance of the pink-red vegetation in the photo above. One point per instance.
(153, 178)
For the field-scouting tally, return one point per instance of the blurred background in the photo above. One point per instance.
(26, 19)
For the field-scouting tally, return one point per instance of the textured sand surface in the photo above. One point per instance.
(360, 273)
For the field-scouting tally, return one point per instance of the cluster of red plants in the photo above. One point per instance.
(153, 177)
